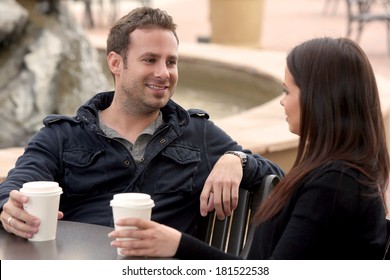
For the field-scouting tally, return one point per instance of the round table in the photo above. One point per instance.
(74, 241)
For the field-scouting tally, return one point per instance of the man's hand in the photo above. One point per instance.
(221, 187)
(16, 220)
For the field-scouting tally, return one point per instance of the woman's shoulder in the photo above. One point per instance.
(333, 175)
(336, 168)
(337, 182)
(337, 177)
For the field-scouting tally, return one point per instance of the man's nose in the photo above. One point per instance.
(162, 71)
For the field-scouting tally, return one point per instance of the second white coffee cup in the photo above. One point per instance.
(43, 202)
(131, 205)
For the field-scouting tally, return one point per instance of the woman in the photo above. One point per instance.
(331, 204)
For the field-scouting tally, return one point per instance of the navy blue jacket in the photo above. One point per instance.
(91, 168)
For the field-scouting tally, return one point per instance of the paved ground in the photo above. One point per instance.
(285, 24)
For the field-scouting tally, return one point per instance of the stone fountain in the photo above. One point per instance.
(47, 66)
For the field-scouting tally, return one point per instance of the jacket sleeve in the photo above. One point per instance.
(191, 248)
(218, 142)
(39, 162)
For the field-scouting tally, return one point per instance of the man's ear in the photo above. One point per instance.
(115, 63)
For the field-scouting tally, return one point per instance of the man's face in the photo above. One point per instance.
(149, 77)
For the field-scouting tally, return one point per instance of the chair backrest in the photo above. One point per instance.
(361, 5)
(234, 234)
(362, 10)
(358, 11)
(387, 250)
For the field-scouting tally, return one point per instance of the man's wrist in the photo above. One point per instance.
(243, 157)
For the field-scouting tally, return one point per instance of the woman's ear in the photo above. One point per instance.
(115, 63)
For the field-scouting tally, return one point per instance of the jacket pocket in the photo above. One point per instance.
(176, 169)
(83, 170)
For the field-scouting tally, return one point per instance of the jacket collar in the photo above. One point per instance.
(173, 113)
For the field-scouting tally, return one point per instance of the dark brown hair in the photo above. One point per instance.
(143, 17)
(341, 117)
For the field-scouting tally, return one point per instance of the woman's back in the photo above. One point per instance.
(331, 215)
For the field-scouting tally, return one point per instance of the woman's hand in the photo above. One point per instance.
(151, 239)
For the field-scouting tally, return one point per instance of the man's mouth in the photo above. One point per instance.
(157, 87)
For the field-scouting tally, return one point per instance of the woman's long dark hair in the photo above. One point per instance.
(341, 117)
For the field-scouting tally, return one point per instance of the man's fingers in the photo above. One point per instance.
(15, 219)
(234, 197)
(218, 200)
(17, 197)
(210, 205)
(205, 198)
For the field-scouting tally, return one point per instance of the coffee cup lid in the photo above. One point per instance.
(132, 200)
(41, 188)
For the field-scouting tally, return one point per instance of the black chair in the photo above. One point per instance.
(360, 11)
(387, 250)
(234, 234)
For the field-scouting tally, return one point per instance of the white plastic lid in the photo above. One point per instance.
(132, 200)
(41, 188)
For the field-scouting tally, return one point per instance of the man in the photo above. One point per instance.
(135, 139)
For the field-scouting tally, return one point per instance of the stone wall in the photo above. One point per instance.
(47, 66)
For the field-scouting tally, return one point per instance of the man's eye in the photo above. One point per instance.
(172, 63)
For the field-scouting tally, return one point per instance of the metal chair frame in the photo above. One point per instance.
(234, 234)
(360, 11)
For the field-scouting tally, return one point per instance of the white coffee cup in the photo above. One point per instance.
(43, 203)
(131, 205)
